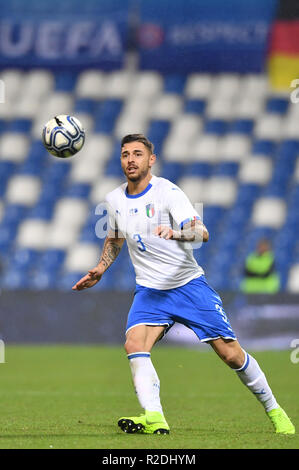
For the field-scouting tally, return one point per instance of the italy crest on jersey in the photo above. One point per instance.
(150, 210)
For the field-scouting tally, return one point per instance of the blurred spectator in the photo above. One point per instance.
(260, 275)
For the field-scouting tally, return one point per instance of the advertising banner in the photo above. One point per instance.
(205, 36)
(63, 34)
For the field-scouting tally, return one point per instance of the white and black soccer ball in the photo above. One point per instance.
(63, 136)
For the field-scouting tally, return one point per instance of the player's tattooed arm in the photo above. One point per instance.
(194, 231)
(111, 249)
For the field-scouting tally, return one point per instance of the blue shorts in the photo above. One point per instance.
(195, 305)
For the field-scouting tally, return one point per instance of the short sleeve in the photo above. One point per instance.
(180, 208)
(112, 215)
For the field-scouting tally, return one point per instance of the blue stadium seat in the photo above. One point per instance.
(288, 148)
(42, 280)
(215, 126)
(264, 147)
(247, 193)
(13, 214)
(106, 114)
(15, 279)
(52, 259)
(172, 170)
(242, 126)
(174, 83)
(33, 167)
(80, 190)
(24, 258)
(7, 169)
(57, 171)
(195, 106)
(226, 169)
(3, 125)
(20, 125)
(157, 132)
(85, 105)
(203, 169)
(42, 210)
(277, 104)
(113, 168)
(65, 81)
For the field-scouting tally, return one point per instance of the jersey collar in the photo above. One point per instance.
(134, 196)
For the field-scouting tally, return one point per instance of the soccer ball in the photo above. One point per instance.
(63, 136)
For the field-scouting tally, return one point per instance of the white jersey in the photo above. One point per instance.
(158, 263)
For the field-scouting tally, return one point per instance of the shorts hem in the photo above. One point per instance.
(147, 323)
(217, 337)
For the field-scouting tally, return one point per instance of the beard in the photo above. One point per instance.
(137, 176)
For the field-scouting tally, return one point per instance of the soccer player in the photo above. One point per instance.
(160, 225)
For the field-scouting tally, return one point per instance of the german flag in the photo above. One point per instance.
(283, 62)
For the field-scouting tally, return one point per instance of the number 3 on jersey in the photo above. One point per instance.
(140, 243)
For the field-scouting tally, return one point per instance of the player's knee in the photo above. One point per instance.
(232, 359)
(133, 345)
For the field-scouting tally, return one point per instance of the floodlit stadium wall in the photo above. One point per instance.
(260, 321)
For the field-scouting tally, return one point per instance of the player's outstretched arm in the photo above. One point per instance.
(194, 231)
(111, 249)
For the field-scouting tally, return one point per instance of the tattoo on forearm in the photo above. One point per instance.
(110, 252)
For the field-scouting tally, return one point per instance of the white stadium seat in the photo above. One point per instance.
(60, 236)
(147, 84)
(137, 107)
(118, 84)
(102, 187)
(97, 147)
(269, 212)
(167, 106)
(206, 149)
(14, 147)
(86, 170)
(176, 150)
(268, 126)
(13, 80)
(226, 85)
(91, 84)
(220, 191)
(255, 85)
(23, 189)
(81, 257)
(89, 165)
(198, 86)
(256, 170)
(293, 279)
(234, 147)
(26, 107)
(71, 212)
(248, 107)
(33, 234)
(220, 108)
(38, 83)
(194, 188)
(186, 126)
(130, 124)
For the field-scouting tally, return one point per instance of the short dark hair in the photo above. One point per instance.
(138, 138)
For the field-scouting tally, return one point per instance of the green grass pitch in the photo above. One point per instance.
(70, 397)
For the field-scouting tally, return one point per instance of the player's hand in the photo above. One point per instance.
(93, 276)
(164, 232)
